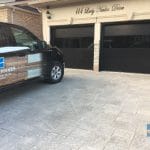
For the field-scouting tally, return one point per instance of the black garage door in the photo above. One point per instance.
(126, 47)
(76, 42)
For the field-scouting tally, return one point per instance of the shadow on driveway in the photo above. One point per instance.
(9, 93)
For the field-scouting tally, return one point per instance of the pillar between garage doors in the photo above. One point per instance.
(46, 29)
(97, 33)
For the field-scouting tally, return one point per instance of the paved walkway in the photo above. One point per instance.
(86, 111)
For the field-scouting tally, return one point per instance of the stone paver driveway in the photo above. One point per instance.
(86, 111)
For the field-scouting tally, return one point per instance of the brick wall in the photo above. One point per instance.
(31, 21)
(3, 15)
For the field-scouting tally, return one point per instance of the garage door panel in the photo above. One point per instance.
(126, 60)
(126, 47)
(75, 42)
(78, 58)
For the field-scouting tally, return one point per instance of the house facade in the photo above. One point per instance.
(98, 35)
(24, 16)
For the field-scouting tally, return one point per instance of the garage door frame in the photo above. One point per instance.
(52, 34)
(102, 38)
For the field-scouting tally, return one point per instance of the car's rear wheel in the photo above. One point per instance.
(56, 72)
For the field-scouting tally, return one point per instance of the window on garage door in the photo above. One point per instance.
(74, 37)
(127, 36)
(135, 41)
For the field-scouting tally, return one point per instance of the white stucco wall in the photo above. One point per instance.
(97, 13)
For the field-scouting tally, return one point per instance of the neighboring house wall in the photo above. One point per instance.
(29, 20)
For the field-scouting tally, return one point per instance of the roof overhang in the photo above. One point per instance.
(52, 3)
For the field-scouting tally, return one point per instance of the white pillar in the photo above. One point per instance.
(97, 35)
(46, 30)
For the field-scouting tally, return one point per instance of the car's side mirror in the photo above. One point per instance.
(44, 44)
(38, 45)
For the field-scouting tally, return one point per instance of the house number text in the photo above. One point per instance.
(100, 8)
